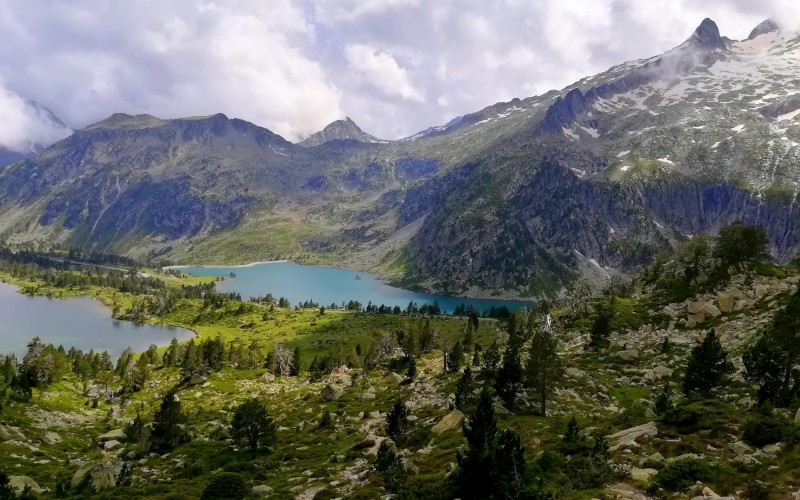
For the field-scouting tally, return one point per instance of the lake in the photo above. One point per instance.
(328, 285)
(80, 322)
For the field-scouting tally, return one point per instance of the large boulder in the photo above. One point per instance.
(711, 310)
(115, 435)
(643, 475)
(393, 378)
(146, 437)
(629, 355)
(262, 491)
(726, 301)
(8, 433)
(267, 377)
(331, 393)
(449, 422)
(51, 438)
(628, 437)
(111, 445)
(695, 307)
(19, 483)
(197, 379)
(741, 448)
(100, 476)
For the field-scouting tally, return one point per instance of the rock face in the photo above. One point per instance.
(449, 422)
(340, 130)
(331, 393)
(627, 438)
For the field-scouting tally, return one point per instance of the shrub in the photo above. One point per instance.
(225, 485)
(682, 474)
(764, 430)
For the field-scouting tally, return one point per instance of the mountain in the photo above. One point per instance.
(340, 130)
(518, 198)
(43, 128)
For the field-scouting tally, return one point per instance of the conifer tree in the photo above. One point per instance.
(545, 369)
(708, 365)
(509, 377)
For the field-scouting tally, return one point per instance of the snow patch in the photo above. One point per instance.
(738, 128)
(623, 153)
(789, 116)
(625, 168)
(667, 161)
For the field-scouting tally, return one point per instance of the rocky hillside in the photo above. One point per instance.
(518, 198)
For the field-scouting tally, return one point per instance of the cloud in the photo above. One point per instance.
(26, 127)
(252, 60)
(380, 70)
(394, 66)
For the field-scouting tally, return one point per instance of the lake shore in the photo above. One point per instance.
(217, 266)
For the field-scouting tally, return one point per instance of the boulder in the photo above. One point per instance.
(8, 433)
(574, 372)
(696, 318)
(103, 476)
(643, 475)
(116, 434)
(660, 372)
(628, 437)
(711, 310)
(197, 379)
(267, 377)
(19, 483)
(51, 437)
(393, 378)
(772, 449)
(409, 466)
(111, 445)
(726, 302)
(146, 437)
(80, 477)
(449, 422)
(262, 491)
(740, 448)
(695, 307)
(760, 291)
(331, 393)
(629, 355)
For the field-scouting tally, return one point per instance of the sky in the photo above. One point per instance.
(394, 66)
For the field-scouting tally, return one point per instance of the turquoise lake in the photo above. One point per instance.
(80, 322)
(328, 285)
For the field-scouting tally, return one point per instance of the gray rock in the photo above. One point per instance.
(8, 433)
(51, 437)
(726, 301)
(627, 438)
(262, 490)
(629, 355)
(116, 434)
(393, 378)
(19, 483)
(111, 445)
(449, 422)
(331, 393)
(643, 475)
(197, 379)
(146, 437)
(711, 310)
(267, 377)
(740, 448)
(102, 476)
(695, 307)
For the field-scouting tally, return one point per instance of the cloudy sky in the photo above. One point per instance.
(394, 66)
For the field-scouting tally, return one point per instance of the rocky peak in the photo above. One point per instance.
(766, 26)
(707, 36)
(339, 130)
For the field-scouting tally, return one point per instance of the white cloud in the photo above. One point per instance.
(252, 60)
(25, 127)
(380, 70)
(395, 66)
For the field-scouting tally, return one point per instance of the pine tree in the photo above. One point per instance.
(491, 358)
(455, 357)
(545, 369)
(168, 423)
(664, 400)
(252, 426)
(601, 327)
(708, 365)
(509, 378)
(295, 369)
(464, 389)
(412, 369)
(476, 463)
(397, 419)
(469, 337)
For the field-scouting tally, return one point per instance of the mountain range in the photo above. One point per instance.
(516, 199)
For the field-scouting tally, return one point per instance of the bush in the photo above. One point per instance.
(691, 416)
(681, 474)
(225, 485)
(764, 430)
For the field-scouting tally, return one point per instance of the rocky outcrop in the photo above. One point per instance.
(628, 437)
(331, 393)
(449, 422)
